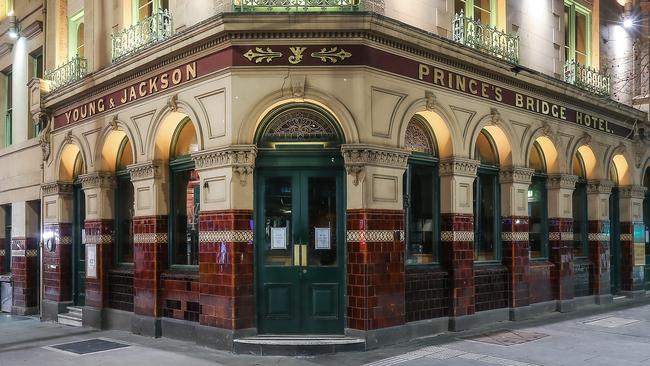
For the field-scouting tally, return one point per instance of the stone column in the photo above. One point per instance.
(25, 228)
(150, 242)
(99, 224)
(375, 237)
(226, 242)
(560, 238)
(56, 206)
(599, 246)
(457, 236)
(632, 241)
(514, 237)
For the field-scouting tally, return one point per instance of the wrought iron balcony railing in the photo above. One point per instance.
(485, 38)
(67, 73)
(145, 33)
(295, 5)
(587, 78)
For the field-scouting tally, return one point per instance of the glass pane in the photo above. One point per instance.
(80, 40)
(277, 221)
(421, 246)
(125, 220)
(485, 246)
(580, 220)
(482, 11)
(322, 221)
(567, 34)
(185, 230)
(459, 5)
(581, 38)
(536, 217)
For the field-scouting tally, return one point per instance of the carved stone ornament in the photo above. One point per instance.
(357, 157)
(67, 139)
(113, 123)
(240, 157)
(561, 181)
(599, 187)
(298, 85)
(45, 137)
(586, 139)
(54, 188)
(495, 116)
(459, 166)
(516, 175)
(430, 100)
(97, 180)
(144, 171)
(632, 192)
(172, 103)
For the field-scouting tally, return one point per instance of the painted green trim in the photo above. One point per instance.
(540, 179)
(491, 172)
(73, 26)
(177, 132)
(574, 8)
(135, 13)
(178, 165)
(494, 10)
(583, 210)
(120, 176)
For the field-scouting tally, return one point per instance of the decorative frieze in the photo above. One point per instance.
(375, 236)
(240, 157)
(229, 236)
(25, 253)
(65, 240)
(457, 236)
(516, 174)
(54, 188)
(99, 239)
(561, 181)
(459, 167)
(514, 236)
(598, 236)
(97, 180)
(2, 253)
(599, 187)
(627, 237)
(150, 238)
(144, 171)
(562, 236)
(357, 157)
(632, 192)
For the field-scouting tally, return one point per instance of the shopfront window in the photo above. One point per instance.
(580, 202)
(124, 205)
(577, 32)
(487, 212)
(537, 205)
(421, 195)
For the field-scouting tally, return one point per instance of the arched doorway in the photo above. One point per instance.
(300, 216)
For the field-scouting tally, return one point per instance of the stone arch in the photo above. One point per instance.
(63, 152)
(501, 134)
(252, 121)
(443, 126)
(589, 161)
(549, 153)
(166, 121)
(71, 163)
(623, 169)
(108, 146)
(117, 125)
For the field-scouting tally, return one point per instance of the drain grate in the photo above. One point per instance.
(611, 322)
(506, 337)
(89, 346)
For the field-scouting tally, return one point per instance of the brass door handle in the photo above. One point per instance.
(300, 255)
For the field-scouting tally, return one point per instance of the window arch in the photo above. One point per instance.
(421, 185)
(487, 205)
(124, 204)
(537, 204)
(580, 209)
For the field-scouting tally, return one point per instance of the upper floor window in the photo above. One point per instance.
(8, 106)
(484, 11)
(577, 32)
(145, 8)
(8, 7)
(76, 35)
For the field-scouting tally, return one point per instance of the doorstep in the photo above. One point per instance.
(296, 345)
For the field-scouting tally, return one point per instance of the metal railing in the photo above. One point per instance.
(295, 5)
(485, 38)
(587, 78)
(67, 73)
(145, 33)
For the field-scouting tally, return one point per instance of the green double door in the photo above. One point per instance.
(78, 247)
(299, 242)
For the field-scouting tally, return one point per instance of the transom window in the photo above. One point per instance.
(484, 11)
(304, 124)
(577, 33)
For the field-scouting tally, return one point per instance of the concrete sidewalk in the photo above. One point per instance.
(620, 336)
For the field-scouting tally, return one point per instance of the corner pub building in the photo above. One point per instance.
(222, 170)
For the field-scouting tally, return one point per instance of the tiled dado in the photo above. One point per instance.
(632, 277)
(180, 296)
(560, 253)
(226, 269)
(98, 233)
(149, 262)
(375, 269)
(457, 257)
(57, 264)
(516, 257)
(24, 267)
(599, 255)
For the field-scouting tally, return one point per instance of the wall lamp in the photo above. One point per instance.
(13, 25)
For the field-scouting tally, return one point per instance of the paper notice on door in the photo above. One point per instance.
(91, 261)
(322, 239)
(278, 238)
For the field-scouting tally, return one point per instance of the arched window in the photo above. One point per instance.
(421, 195)
(487, 210)
(580, 212)
(124, 205)
(184, 197)
(537, 204)
(306, 125)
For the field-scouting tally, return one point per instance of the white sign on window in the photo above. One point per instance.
(91, 261)
(278, 238)
(322, 239)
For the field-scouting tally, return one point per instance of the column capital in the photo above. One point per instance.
(562, 181)
(599, 187)
(516, 174)
(147, 170)
(95, 180)
(240, 157)
(459, 166)
(633, 192)
(359, 156)
(56, 188)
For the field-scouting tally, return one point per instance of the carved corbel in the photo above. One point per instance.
(495, 116)
(67, 139)
(430, 100)
(113, 123)
(358, 173)
(172, 103)
(298, 86)
(243, 171)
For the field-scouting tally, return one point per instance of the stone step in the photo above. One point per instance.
(71, 320)
(289, 345)
(77, 310)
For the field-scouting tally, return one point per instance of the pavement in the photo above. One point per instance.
(618, 336)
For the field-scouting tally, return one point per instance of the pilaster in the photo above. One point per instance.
(599, 235)
(632, 238)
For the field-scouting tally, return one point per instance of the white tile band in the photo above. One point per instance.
(382, 236)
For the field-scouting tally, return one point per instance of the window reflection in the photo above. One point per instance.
(185, 235)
